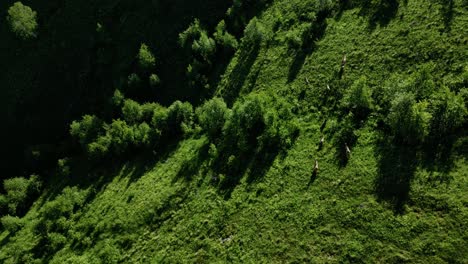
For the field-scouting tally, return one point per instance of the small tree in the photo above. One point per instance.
(358, 98)
(408, 120)
(212, 115)
(146, 59)
(180, 117)
(86, 130)
(22, 20)
(132, 111)
(448, 113)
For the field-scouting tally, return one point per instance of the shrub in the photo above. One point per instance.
(448, 113)
(12, 223)
(3, 204)
(20, 191)
(118, 98)
(179, 117)
(134, 82)
(22, 20)
(254, 33)
(99, 148)
(192, 33)
(225, 40)
(142, 135)
(132, 111)
(121, 136)
(146, 60)
(408, 119)
(86, 130)
(422, 83)
(154, 80)
(204, 46)
(212, 115)
(63, 167)
(358, 98)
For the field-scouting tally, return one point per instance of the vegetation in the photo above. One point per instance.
(244, 131)
(23, 21)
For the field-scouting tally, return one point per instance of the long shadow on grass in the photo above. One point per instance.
(396, 168)
(309, 39)
(238, 75)
(380, 12)
(447, 13)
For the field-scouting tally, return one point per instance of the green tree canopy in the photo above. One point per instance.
(22, 20)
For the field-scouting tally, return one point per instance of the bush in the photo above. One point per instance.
(132, 111)
(142, 135)
(154, 80)
(12, 223)
(254, 33)
(358, 98)
(204, 47)
(121, 136)
(118, 98)
(63, 167)
(408, 120)
(22, 20)
(20, 191)
(212, 116)
(146, 60)
(448, 113)
(258, 120)
(225, 40)
(86, 130)
(179, 117)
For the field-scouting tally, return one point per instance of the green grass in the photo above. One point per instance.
(168, 208)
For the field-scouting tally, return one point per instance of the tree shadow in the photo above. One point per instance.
(238, 75)
(396, 168)
(309, 38)
(447, 13)
(192, 165)
(312, 179)
(380, 12)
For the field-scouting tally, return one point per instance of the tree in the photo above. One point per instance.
(146, 59)
(86, 130)
(408, 120)
(180, 117)
(448, 113)
(358, 98)
(22, 20)
(212, 115)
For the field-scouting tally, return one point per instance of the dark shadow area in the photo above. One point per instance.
(192, 165)
(380, 12)
(309, 38)
(238, 75)
(447, 13)
(312, 179)
(396, 168)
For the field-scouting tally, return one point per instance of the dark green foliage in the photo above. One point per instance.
(146, 59)
(132, 111)
(142, 135)
(86, 130)
(63, 167)
(11, 223)
(223, 39)
(259, 121)
(254, 33)
(448, 112)
(201, 49)
(179, 118)
(154, 80)
(212, 116)
(118, 98)
(408, 120)
(22, 20)
(357, 98)
(20, 192)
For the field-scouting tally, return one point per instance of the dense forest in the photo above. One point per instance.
(234, 131)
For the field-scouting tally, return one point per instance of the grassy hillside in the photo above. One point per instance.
(202, 200)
